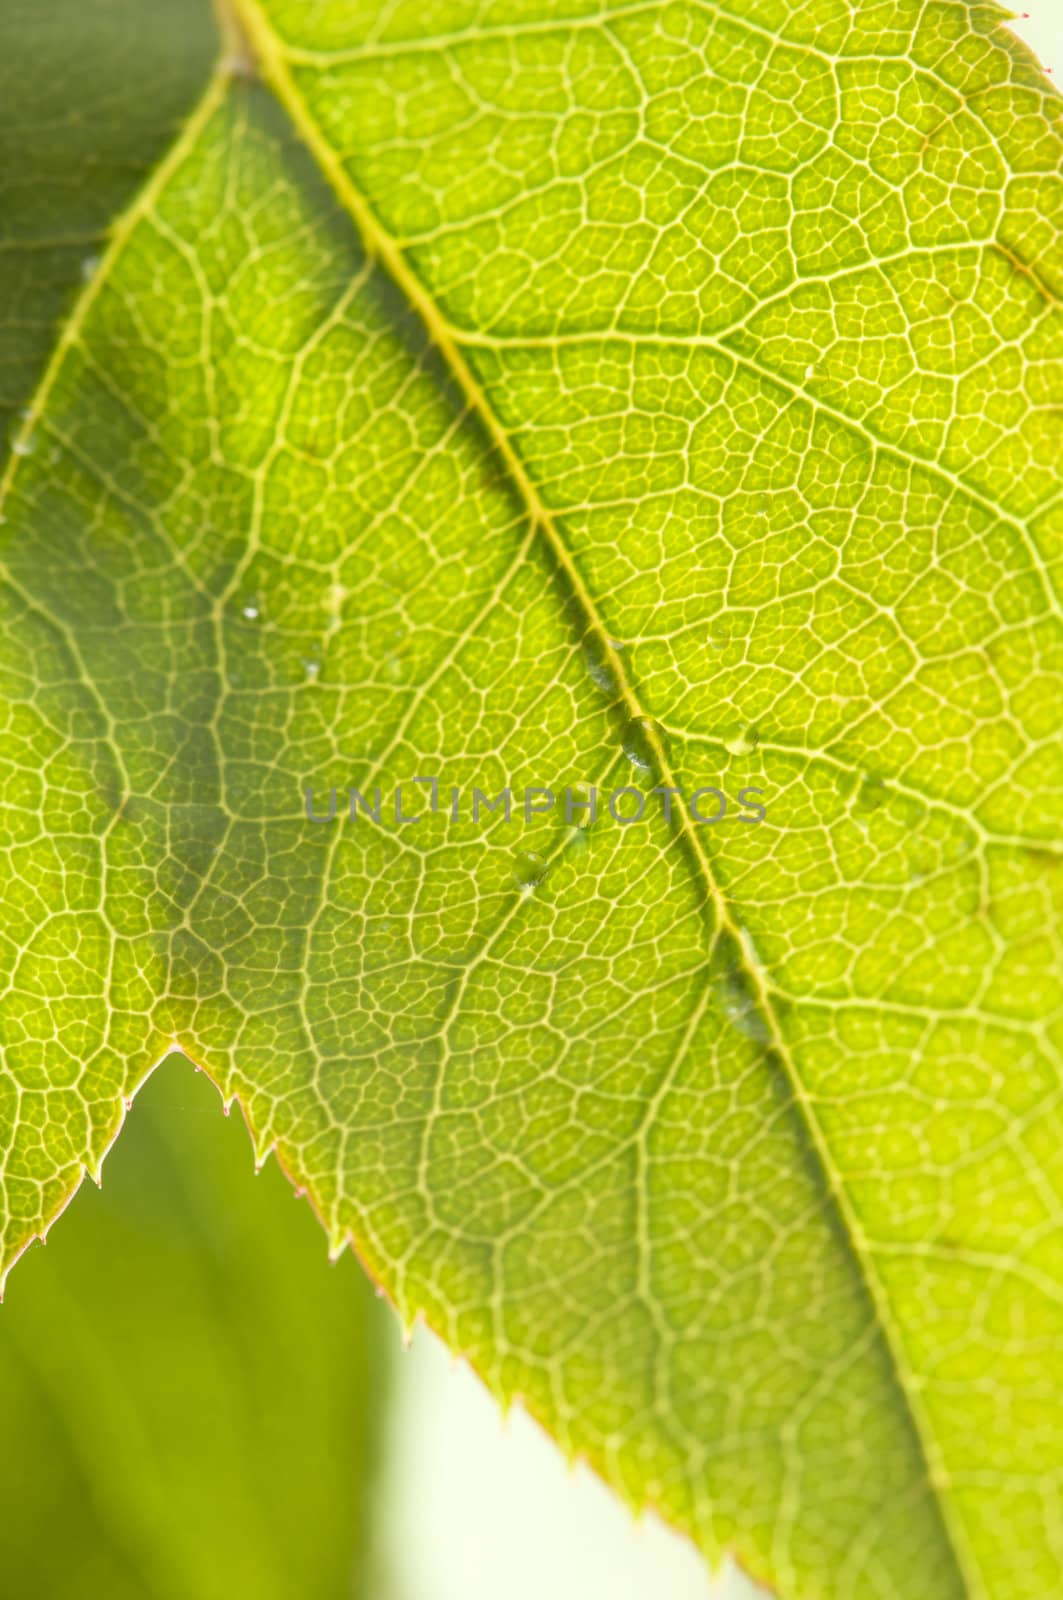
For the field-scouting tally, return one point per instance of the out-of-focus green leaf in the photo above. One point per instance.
(189, 1394)
(91, 94)
(531, 396)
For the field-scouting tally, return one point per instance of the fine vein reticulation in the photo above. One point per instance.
(652, 396)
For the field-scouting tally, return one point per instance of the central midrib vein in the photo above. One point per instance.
(269, 55)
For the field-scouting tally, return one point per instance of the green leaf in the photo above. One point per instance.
(90, 97)
(191, 1393)
(652, 398)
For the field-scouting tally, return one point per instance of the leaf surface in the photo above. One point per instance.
(652, 398)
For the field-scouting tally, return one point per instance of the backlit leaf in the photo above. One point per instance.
(531, 396)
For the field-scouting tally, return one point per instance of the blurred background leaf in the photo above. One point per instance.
(190, 1395)
(91, 95)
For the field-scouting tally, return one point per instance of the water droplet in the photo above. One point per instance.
(250, 611)
(237, 64)
(334, 602)
(89, 268)
(638, 744)
(740, 1005)
(743, 744)
(602, 676)
(749, 949)
(529, 870)
(598, 667)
